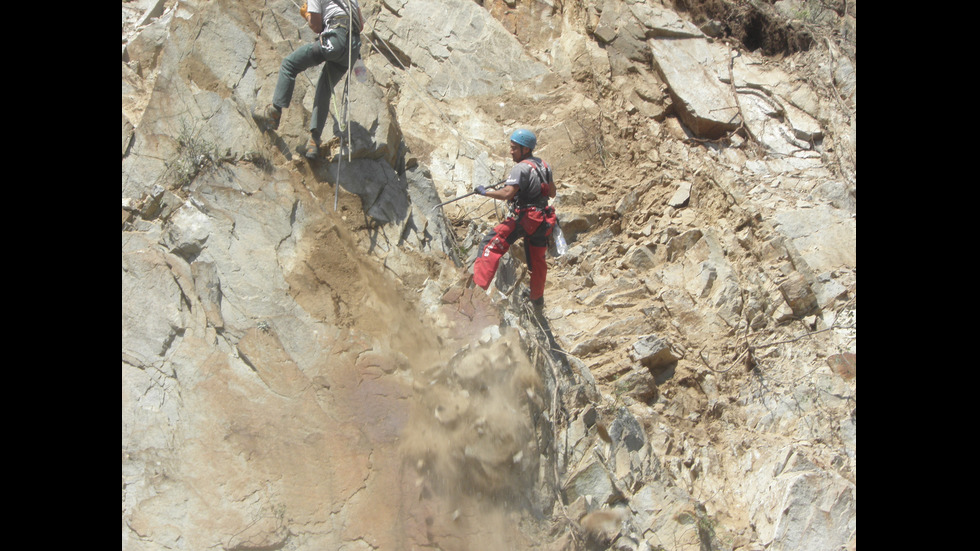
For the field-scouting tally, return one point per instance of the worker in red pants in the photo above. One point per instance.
(528, 188)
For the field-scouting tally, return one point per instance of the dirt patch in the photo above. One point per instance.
(326, 282)
(844, 364)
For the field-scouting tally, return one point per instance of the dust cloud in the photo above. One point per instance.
(461, 467)
(471, 444)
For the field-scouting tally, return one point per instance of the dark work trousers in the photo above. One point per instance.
(332, 53)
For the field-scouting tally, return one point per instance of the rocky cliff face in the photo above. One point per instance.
(306, 364)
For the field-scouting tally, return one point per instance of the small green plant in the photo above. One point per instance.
(194, 154)
(706, 528)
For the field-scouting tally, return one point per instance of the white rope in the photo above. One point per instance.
(342, 119)
(422, 94)
(345, 143)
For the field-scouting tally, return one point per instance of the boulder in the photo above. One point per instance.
(680, 197)
(654, 353)
(591, 480)
(798, 294)
(691, 68)
(456, 31)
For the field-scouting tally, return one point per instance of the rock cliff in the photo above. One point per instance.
(306, 364)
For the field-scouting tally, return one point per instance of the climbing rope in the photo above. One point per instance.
(342, 119)
(344, 126)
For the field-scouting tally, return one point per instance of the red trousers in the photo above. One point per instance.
(534, 226)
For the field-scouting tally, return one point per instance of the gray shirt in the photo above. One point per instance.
(528, 175)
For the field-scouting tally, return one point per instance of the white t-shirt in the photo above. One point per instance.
(332, 8)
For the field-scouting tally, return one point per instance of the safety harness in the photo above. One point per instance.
(521, 204)
(343, 22)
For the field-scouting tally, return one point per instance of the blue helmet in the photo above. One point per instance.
(524, 137)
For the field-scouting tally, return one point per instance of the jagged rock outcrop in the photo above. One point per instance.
(306, 366)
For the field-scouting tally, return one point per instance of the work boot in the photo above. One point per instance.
(268, 118)
(537, 304)
(312, 148)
